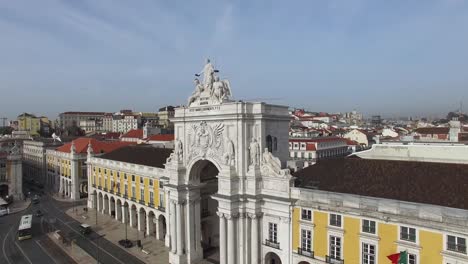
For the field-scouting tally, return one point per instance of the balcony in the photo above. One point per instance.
(133, 199)
(142, 202)
(273, 244)
(305, 252)
(99, 187)
(333, 260)
(162, 208)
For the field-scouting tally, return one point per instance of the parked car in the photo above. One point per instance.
(3, 211)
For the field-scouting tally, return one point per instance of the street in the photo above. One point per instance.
(40, 249)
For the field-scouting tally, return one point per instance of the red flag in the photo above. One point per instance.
(394, 258)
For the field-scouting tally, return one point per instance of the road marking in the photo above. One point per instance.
(77, 231)
(45, 251)
(3, 246)
(23, 252)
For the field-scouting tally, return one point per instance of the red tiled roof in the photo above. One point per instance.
(351, 142)
(161, 137)
(84, 113)
(320, 139)
(134, 133)
(81, 145)
(432, 130)
(310, 147)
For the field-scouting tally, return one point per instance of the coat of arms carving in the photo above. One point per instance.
(206, 141)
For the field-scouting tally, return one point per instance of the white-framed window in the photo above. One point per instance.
(306, 214)
(335, 220)
(408, 233)
(456, 244)
(368, 253)
(126, 189)
(133, 191)
(412, 259)
(368, 226)
(273, 232)
(142, 194)
(151, 197)
(335, 247)
(161, 200)
(306, 240)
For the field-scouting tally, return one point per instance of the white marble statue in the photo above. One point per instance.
(198, 91)
(208, 74)
(221, 89)
(179, 150)
(254, 152)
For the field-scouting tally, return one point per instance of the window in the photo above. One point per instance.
(269, 143)
(368, 253)
(133, 191)
(335, 220)
(306, 214)
(368, 226)
(151, 197)
(335, 247)
(306, 240)
(273, 232)
(133, 177)
(457, 244)
(412, 259)
(141, 180)
(408, 234)
(126, 190)
(142, 194)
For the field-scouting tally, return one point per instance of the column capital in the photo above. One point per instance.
(255, 215)
(221, 215)
(242, 215)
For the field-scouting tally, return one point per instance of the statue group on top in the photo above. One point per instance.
(212, 87)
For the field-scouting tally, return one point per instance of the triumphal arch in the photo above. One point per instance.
(226, 176)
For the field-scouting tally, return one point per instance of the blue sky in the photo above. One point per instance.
(395, 57)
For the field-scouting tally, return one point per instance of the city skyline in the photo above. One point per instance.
(395, 59)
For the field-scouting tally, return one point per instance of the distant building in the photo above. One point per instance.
(72, 119)
(164, 116)
(33, 124)
(66, 164)
(124, 122)
(11, 174)
(34, 160)
(353, 117)
(359, 136)
(133, 135)
(161, 141)
(317, 148)
(376, 120)
(432, 133)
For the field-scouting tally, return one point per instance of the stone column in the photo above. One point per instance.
(156, 226)
(180, 227)
(172, 214)
(255, 240)
(231, 240)
(197, 226)
(190, 227)
(117, 211)
(222, 238)
(124, 215)
(241, 243)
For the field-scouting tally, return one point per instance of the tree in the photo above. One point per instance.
(6, 130)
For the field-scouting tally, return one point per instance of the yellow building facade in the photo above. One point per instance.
(340, 228)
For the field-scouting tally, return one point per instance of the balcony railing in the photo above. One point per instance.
(460, 248)
(305, 252)
(142, 202)
(273, 244)
(162, 208)
(333, 260)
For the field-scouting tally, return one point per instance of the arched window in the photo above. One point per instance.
(275, 144)
(269, 143)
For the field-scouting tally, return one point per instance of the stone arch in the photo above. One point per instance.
(162, 227)
(205, 221)
(151, 223)
(118, 209)
(106, 204)
(194, 168)
(100, 201)
(4, 190)
(125, 212)
(133, 215)
(142, 215)
(112, 205)
(303, 262)
(272, 258)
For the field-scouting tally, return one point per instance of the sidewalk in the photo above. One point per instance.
(58, 197)
(18, 206)
(115, 231)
